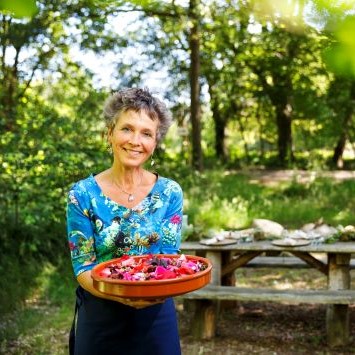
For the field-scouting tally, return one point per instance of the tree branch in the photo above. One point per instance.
(153, 12)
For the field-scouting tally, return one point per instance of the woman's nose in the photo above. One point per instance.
(134, 138)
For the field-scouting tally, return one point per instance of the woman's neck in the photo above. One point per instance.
(126, 178)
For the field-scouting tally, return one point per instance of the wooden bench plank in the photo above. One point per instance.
(282, 262)
(277, 262)
(221, 293)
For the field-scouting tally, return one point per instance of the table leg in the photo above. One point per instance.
(216, 260)
(206, 311)
(337, 318)
(228, 279)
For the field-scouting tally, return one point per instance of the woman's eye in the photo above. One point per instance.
(148, 134)
(125, 129)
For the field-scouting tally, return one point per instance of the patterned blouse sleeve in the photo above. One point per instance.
(172, 222)
(80, 231)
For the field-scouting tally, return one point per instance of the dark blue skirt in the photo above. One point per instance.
(108, 327)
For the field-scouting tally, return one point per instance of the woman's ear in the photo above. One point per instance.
(109, 135)
(109, 141)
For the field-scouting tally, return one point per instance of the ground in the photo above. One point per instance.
(266, 328)
(272, 177)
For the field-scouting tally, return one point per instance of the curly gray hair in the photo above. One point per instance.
(137, 99)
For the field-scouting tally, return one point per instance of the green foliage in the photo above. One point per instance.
(57, 141)
(298, 203)
(18, 277)
(19, 8)
(56, 280)
(217, 213)
(340, 55)
(45, 284)
(219, 200)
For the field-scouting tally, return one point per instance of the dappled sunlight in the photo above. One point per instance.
(281, 279)
(41, 284)
(265, 328)
(335, 15)
(224, 213)
(45, 316)
(288, 15)
(230, 199)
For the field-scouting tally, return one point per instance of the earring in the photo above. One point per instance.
(152, 161)
(109, 149)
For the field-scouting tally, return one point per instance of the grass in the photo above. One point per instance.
(37, 297)
(223, 200)
(41, 323)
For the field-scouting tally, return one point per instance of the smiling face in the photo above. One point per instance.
(133, 138)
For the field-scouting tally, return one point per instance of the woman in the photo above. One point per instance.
(125, 209)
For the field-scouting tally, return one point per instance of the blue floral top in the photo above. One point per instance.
(101, 229)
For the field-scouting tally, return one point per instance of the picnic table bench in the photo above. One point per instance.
(332, 260)
(284, 261)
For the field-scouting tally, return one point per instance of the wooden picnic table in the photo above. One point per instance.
(335, 265)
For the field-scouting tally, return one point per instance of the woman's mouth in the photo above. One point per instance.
(132, 152)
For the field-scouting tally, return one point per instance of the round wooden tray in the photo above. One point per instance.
(151, 289)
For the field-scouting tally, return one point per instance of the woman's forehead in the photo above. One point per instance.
(141, 117)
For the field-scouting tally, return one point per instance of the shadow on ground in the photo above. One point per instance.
(266, 328)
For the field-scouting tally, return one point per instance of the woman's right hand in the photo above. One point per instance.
(138, 303)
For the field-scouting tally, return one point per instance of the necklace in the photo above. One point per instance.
(131, 196)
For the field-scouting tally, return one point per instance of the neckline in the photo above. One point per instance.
(92, 176)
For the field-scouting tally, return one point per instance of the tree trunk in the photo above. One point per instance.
(283, 109)
(337, 158)
(8, 100)
(220, 135)
(242, 133)
(339, 150)
(195, 87)
(284, 128)
(219, 123)
(260, 133)
(220, 120)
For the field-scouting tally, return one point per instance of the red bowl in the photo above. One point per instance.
(151, 289)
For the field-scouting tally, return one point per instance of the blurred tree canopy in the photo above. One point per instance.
(19, 8)
(250, 83)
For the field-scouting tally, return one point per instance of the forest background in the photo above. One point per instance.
(251, 84)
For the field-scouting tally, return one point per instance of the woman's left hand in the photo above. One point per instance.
(86, 282)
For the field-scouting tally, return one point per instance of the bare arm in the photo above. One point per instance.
(86, 282)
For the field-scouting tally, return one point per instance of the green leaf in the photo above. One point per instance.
(19, 8)
(340, 55)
